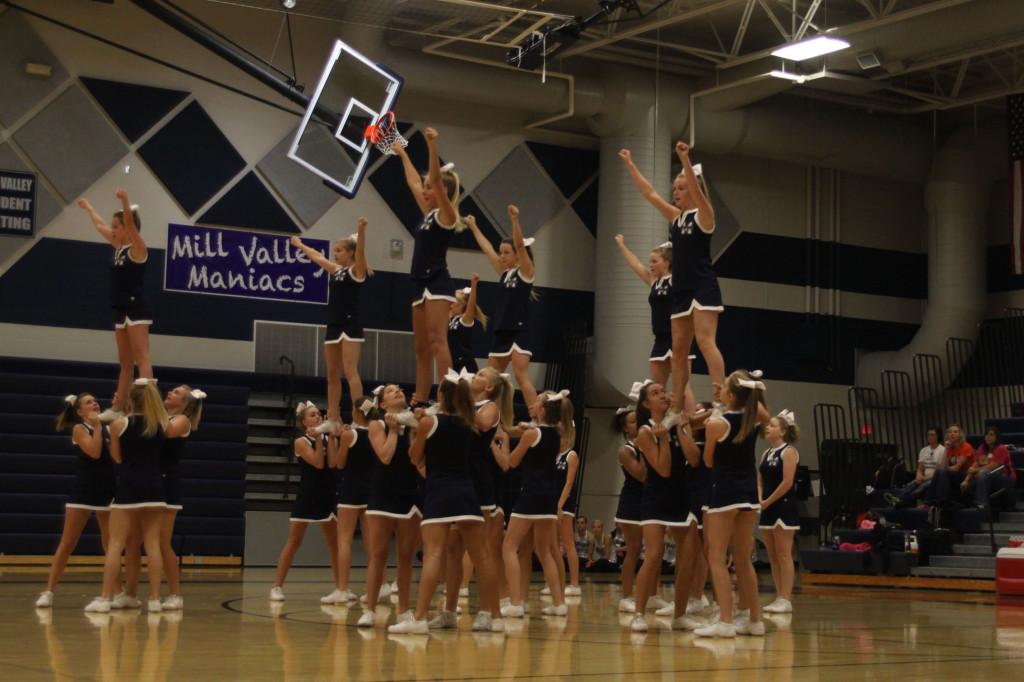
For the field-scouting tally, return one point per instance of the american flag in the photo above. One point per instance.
(1015, 119)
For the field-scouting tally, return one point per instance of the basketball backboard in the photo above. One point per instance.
(352, 92)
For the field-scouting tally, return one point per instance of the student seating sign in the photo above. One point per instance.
(17, 203)
(211, 260)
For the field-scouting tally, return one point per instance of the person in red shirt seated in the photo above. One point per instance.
(953, 471)
(991, 471)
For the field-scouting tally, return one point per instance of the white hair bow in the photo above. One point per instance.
(665, 245)
(753, 384)
(466, 291)
(454, 377)
(377, 393)
(756, 374)
(354, 237)
(302, 407)
(448, 167)
(197, 394)
(144, 381)
(788, 417)
(634, 391)
(624, 410)
(134, 207)
(555, 397)
(698, 170)
(506, 376)
(529, 241)
(71, 398)
(367, 406)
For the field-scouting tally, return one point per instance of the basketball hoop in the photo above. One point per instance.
(384, 133)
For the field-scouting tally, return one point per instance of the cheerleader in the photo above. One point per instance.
(515, 268)
(136, 442)
(347, 274)
(780, 518)
(698, 489)
(696, 298)
(184, 406)
(437, 195)
(462, 318)
(731, 514)
(314, 501)
(396, 492)
(567, 464)
(664, 507)
(444, 444)
(658, 278)
(93, 489)
(351, 456)
(132, 314)
(536, 508)
(629, 514)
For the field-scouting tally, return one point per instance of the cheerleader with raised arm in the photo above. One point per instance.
(463, 316)
(629, 513)
(395, 504)
(347, 271)
(437, 195)
(514, 264)
(658, 278)
(314, 502)
(664, 505)
(136, 442)
(184, 406)
(93, 490)
(696, 298)
(443, 445)
(132, 313)
(732, 512)
(536, 508)
(780, 518)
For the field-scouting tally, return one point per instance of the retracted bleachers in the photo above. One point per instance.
(37, 464)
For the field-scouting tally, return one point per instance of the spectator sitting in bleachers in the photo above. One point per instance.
(929, 459)
(991, 471)
(950, 474)
(599, 550)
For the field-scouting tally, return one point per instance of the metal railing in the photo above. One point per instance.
(288, 397)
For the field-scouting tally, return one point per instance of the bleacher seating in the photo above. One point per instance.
(37, 464)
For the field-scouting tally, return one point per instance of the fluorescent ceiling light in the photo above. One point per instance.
(787, 75)
(811, 48)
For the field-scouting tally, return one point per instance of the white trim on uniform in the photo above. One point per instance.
(626, 522)
(694, 305)
(433, 428)
(742, 506)
(90, 507)
(496, 510)
(539, 436)
(663, 358)
(329, 517)
(129, 322)
(696, 220)
(686, 523)
(351, 506)
(434, 215)
(514, 349)
(138, 505)
(343, 337)
(452, 519)
(427, 296)
(568, 513)
(779, 523)
(415, 511)
(137, 262)
(175, 507)
(534, 517)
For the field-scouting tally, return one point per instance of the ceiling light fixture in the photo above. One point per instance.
(787, 75)
(288, 4)
(811, 48)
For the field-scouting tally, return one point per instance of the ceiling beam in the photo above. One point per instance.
(977, 51)
(808, 18)
(787, 36)
(648, 26)
(961, 74)
(737, 42)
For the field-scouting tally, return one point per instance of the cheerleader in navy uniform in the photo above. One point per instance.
(567, 464)
(696, 298)
(314, 501)
(536, 508)
(350, 456)
(347, 273)
(515, 268)
(396, 500)
(780, 518)
(136, 442)
(437, 195)
(93, 489)
(444, 445)
(658, 278)
(132, 314)
(698, 488)
(629, 512)
(731, 513)
(664, 506)
(184, 406)
(463, 316)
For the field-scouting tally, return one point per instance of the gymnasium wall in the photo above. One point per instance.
(816, 265)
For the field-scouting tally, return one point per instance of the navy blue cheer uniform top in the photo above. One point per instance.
(538, 498)
(629, 510)
(139, 481)
(94, 478)
(734, 475)
(660, 300)
(170, 466)
(664, 501)
(513, 313)
(460, 341)
(562, 466)
(127, 288)
(694, 282)
(484, 470)
(430, 260)
(354, 487)
(396, 489)
(343, 306)
(783, 512)
(314, 502)
(449, 494)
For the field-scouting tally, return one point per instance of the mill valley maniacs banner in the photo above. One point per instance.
(209, 260)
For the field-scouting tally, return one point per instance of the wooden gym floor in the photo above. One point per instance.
(229, 631)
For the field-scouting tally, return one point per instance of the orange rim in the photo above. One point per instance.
(376, 130)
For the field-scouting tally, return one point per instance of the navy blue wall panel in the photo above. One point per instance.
(568, 167)
(133, 108)
(249, 205)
